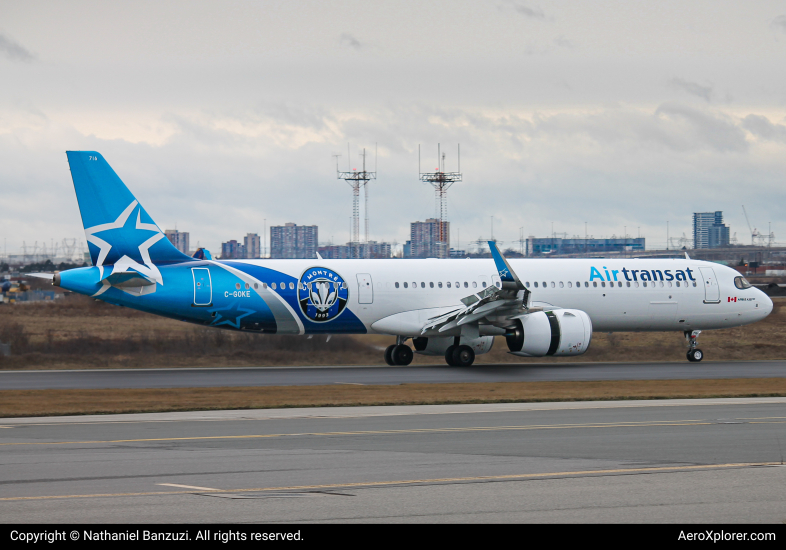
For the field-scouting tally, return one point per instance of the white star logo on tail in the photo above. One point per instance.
(126, 264)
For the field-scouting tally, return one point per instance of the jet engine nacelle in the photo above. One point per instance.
(557, 332)
(438, 346)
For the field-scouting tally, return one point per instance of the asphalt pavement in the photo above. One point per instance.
(708, 461)
(432, 374)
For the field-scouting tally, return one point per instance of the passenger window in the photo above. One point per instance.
(553, 285)
(586, 284)
(248, 286)
(544, 284)
(678, 283)
(291, 286)
(595, 283)
(474, 284)
(256, 285)
(694, 283)
(414, 285)
(397, 285)
(636, 284)
(264, 285)
(458, 284)
(483, 284)
(466, 285)
(237, 286)
(536, 284)
(273, 286)
(578, 284)
(628, 283)
(448, 283)
(526, 284)
(283, 286)
(431, 285)
(561, 284)
(423, 285)
(570, 285)
(603, 284)
(619, 284)
(644, 283)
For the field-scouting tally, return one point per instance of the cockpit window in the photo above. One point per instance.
(741, 283)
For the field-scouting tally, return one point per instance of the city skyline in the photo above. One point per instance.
(609, 113)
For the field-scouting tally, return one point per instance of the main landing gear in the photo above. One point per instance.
(694, 354)
(398, 353)
(459, 356)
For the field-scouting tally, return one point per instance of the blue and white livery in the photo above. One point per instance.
(453, 308)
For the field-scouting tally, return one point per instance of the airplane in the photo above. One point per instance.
(448, 307)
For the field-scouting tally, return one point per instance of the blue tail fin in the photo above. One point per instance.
(119, 232)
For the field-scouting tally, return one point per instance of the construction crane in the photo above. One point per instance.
(755, 234)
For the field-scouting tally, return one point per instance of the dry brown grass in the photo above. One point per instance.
(78, 332)
(16, 403)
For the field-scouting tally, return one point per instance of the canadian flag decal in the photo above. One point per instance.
(732, 299)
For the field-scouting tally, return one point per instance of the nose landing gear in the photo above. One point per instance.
(694, 354)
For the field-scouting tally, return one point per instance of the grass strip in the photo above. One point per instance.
(19, 403)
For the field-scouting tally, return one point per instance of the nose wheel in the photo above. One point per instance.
(694, 354)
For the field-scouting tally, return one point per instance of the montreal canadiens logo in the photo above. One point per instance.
(322, 294)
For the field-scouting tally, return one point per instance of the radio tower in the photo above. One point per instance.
(441, 181)
(357, 179)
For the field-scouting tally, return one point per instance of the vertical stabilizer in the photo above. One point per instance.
(119, 231)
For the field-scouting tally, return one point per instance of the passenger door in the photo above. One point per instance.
(365, 289)
(203, 289)
(711, 288)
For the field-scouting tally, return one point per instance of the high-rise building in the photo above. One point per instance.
(709, 231)
(180, 239)
(253, 245)
(293, 241)
(232, 250)
(424, 239)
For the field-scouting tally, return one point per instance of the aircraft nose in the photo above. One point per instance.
(765, 304)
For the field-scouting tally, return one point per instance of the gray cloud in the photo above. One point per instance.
(14, 51)
(535, 13)
(704, 92)
(761, 127)
(350, 41)
(779, 23)
(703, 127)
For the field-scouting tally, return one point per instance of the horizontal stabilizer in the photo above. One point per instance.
(49, 276)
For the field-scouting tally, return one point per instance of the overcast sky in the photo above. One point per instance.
(219, 115)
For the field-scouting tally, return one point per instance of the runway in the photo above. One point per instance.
(709, 461)
(310, 376)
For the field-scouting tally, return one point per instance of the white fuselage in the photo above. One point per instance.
(616, 294)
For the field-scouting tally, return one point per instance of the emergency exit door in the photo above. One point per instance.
(203, 290)
(365, 289)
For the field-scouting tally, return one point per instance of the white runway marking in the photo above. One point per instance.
(188, 487)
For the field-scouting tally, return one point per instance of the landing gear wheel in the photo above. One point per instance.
(402, 355)
(449, 356)
(695, 355)
(463, 356)
(389, 355)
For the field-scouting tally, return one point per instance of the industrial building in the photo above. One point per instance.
(293, 241)
(557, 245)
(371, 249)
(709, 231)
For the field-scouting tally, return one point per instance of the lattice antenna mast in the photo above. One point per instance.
(441, 180)
(356, 179)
